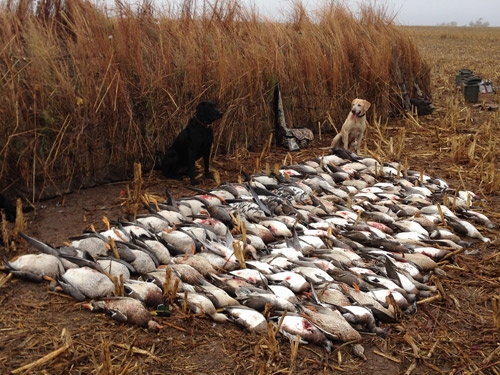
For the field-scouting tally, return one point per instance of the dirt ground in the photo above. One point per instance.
(454, 335)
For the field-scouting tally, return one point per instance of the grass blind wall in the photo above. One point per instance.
(86, 91)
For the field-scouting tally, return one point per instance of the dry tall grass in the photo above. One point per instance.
(86, 91)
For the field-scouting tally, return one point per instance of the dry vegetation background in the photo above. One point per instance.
(458, 334)
(87, 91)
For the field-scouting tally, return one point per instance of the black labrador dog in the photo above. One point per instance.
(193, 142)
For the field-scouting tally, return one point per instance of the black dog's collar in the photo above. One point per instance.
(202, 123)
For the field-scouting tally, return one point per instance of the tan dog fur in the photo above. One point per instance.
(354, 126)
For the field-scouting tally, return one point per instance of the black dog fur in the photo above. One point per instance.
(8, 207)
(193, 142)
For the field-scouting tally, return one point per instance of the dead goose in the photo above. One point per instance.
(180, 242)
(230, 284)
(159, 250)
(465, 228)
(277, 228)
(116, 267)
(294, 281)
(248, 318)
(34, 267)
(159, 277)
(154, 222)
(92, 243)
(218, 261)
(411, 226)
(198, 262)
(477, 217)
(293, 325)
(260, 300)
(144, 261)
(313, 274)
(201, 304)
(422, 261)
(87, 282)
(431, 252)
(364, 299)
(332, 323)
(217, 226)
(332, 296)
(381, 296)
(187, 273)
(362, 319)
(252, 276)
(442, 233)
(218, 296)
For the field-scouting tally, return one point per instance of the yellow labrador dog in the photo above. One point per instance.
(354, 126)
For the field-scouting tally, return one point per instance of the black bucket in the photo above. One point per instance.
(462, 75)
(471, 89)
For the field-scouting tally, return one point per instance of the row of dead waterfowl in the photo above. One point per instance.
(342, 244)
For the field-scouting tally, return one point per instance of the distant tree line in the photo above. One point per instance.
(477, 23)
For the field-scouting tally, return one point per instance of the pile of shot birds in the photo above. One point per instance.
(328, 248)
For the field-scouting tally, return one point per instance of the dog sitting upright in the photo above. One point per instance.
(354, 126)
(193, 142)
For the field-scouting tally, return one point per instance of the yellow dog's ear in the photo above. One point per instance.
(366, 105)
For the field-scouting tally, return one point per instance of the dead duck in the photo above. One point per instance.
(125, 310)
(147, 292)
